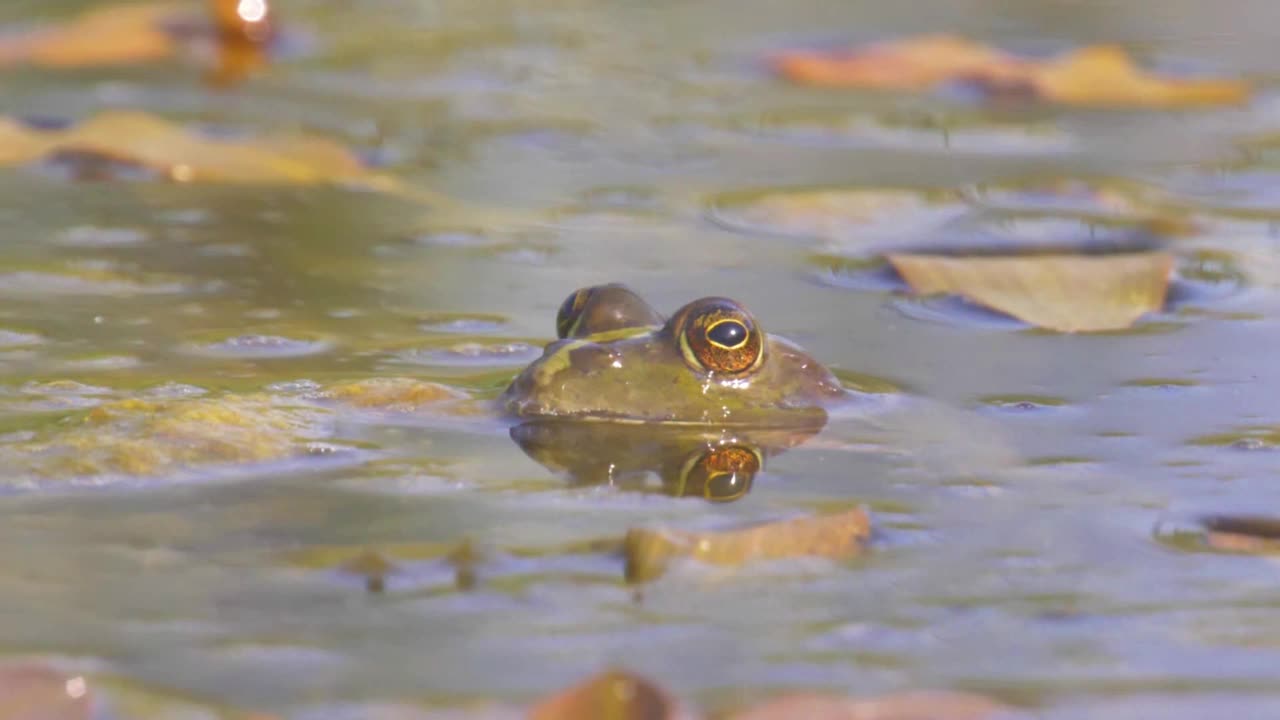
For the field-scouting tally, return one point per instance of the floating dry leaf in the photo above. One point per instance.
(837, 535)
(902, 706)
(36, 692)
(863, 214)
(1095, 75)
(1252, 534)
(1067, 293)
(146, 32)
(612, 695)
(103, 36)
(184, 156)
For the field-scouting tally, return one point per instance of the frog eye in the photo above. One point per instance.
(722, 474)
(570, 313)
(719, 336)
(603, 308)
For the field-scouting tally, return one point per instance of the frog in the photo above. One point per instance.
(710, 363)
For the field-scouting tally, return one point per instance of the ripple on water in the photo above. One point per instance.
(916, 131)
(1205, 276)
(14, 338)
(1165, 384)
(1231, 191)
(472, 354)
(34, 283)
(455, 237)
(1252, 438)
(1076, 197)
(93, 236)
(102, 363)
(1022, 404)
(260, 347)
(461, 323)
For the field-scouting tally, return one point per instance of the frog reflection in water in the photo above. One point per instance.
(701, 399)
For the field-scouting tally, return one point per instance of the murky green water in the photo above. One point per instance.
(1016, 491)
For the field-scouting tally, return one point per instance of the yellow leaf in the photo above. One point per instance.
(1095, 75)
(1067, 293)
(106, 36)
(901, 706)
(913, 64)
(1106, 75)
(612, 695)
(838, 535)
(184, 156)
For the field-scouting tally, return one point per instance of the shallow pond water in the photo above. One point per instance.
(1018, 484)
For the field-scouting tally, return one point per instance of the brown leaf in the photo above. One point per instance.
(36, 692)
(1095, 75)
(902, 706)
(612, 695)
(105, 36)
(1067, 293)
(917, 63)
(1252, 534)
(838, 535)
(147, 32)
(183, 156)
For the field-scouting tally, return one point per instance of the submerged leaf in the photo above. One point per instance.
(612, 695)
(138, 438)
(392, 394)
(902, 706)
(838, 535)
(1067, 293)
(842, 214)
(184, 156)
(1095, 75)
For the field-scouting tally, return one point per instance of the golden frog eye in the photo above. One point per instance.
(718, 335)
(722, 474)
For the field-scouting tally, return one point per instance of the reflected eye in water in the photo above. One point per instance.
(720, 474)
